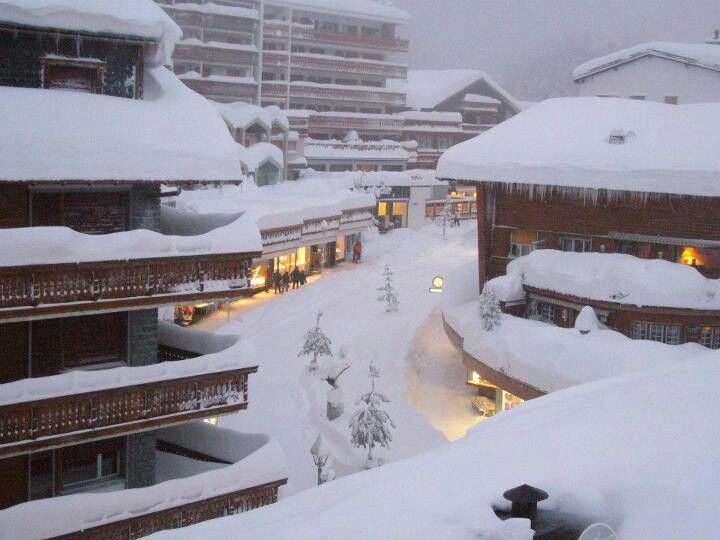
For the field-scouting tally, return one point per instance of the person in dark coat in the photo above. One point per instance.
(285, 282)
(302, 277)
(277, 282)
(357, 252)
(295, 278)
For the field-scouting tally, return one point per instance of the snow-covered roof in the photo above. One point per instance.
(365, 9)
(137, 18)
(259, 153)
(564, 142)
(240, 115)
(617, 278)
(357, 150)
(698, 54)
(615, 451)
(427, 88)
(50, 135)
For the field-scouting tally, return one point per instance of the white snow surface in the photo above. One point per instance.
(55, 245)
(53, 135)
(242, 115)
(615, 450)
(427, 88)
(551, 358)
(139, 18)
(256, 459)
(614, 277)
(257, 154)
(673, 150)
(707, 55)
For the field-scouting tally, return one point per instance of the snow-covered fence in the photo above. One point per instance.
(36, 423)
(281, 236)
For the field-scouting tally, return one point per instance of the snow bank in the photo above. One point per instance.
(507, 288)
(551, 358)
(614, 277)
(427, 88)
(56, 245)
(673, 149)
(193, 340)
(52, 135)
(702, 54)
(258, 464)
(139, 18)
(618, 450)
(240, 355)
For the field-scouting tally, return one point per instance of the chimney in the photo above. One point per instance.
(524, 501)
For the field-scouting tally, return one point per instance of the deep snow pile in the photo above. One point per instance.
(290, 404)
(551, 358)
(577, 153)
(614, 277)
(617, 450)
(137, 18)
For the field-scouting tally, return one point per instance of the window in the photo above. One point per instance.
(91, 463)
(520, 250)
(663, 333)
(547, 312)
(671, 100)
(710, 337)
(444, 142)
(75, 75)
(638, 98)
(577, 245)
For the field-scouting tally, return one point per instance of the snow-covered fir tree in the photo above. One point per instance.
(388, 292)
(370, 425)
(447, 216)
(317, 344)
(489, 310)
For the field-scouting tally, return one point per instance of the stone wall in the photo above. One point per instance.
(141, 459)
(142, 337)
(145, 207)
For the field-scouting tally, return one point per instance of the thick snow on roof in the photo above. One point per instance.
(258, 153)
(56, 245)
(613, 277)
(138, 18)
(702, 54)
(427, 88)
(550, 358)
(564, 142)
(53, 135)
(242, 115)
(367, 9)
(614, 451)
(357, 150)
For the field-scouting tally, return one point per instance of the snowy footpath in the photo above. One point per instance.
(420, 372)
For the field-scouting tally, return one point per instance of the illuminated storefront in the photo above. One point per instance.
(490, 399)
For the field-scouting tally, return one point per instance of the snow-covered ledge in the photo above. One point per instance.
(550, 358)
(252, 480)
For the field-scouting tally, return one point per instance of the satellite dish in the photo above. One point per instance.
(598, 531)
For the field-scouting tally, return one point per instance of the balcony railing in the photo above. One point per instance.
(44, 423)
(241, 87)
(356, 122)
(280, 29)
(29, 291)
(332, 93)
(208, 53)
(334, 64)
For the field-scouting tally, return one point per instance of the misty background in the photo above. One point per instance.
(532, 46)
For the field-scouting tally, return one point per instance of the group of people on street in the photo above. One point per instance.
(281, 282)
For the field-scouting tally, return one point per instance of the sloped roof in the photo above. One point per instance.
(564, 142)
(427, 88)
(139, 18)
(699, 54)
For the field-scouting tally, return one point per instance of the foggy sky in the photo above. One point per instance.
(532, 46)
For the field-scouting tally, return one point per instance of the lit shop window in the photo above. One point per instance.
(578, 245)
(710, 337)
(664, 333)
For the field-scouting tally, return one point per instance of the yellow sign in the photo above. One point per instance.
(437, 284)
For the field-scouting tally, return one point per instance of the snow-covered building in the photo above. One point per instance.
(451, 106)
(656, 71)
(89, 382)
(625, 217)
(219, 55)
(358, 155)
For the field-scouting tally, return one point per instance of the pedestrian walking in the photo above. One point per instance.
(285, 281)
(357, 251)
(295, 278)
(277, 282)
(302, 277)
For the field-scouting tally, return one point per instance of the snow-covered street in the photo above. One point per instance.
(420, 372)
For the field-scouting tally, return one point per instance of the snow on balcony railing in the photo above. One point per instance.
(323, 62)
(308, 90)
(355, 121)
(275, 28)
(315, 226)
(256, 471)
(356, 216)
(35, 413)
(281, 236)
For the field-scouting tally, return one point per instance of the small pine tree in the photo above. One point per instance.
(447, 216)
(316, 344)
(369, 424)
(388, 292)
(489, 310)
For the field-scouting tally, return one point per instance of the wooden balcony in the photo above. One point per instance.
(240, 88)
(329, 92)
(47, 423)
(184, 515)
(358, 122)
(356, 66)
(220, 55)
(280, 29)
(28, 292)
